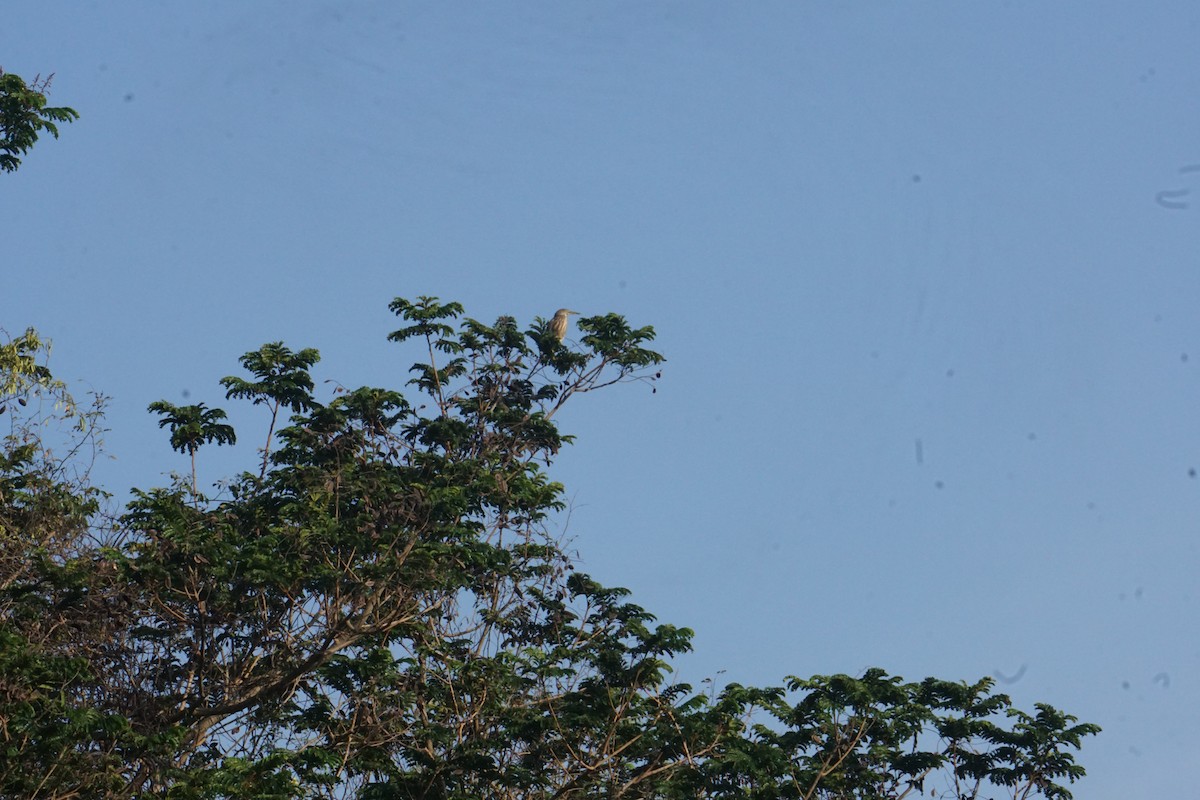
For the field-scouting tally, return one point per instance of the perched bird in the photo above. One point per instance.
(558, 325)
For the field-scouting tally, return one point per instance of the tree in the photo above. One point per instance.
(50, 734)
(193, 426)
(24, 115)
(380, 609)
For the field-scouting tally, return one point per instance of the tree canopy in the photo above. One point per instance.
(379, 607)
(24, 115)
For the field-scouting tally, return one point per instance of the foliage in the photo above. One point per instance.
(380, 609)
(50, 736)
(193, 426)
(24, 115)
(878, 737)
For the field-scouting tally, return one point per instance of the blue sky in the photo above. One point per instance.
(934, 354)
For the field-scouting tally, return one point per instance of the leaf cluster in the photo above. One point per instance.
(875, 736)
(24, 115)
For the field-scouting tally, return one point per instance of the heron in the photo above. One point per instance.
(558, 325)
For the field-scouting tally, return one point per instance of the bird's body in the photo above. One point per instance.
(558, 325)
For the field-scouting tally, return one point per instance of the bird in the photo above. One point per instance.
(558, 325)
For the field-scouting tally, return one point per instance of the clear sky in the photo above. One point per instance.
(926, 276)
